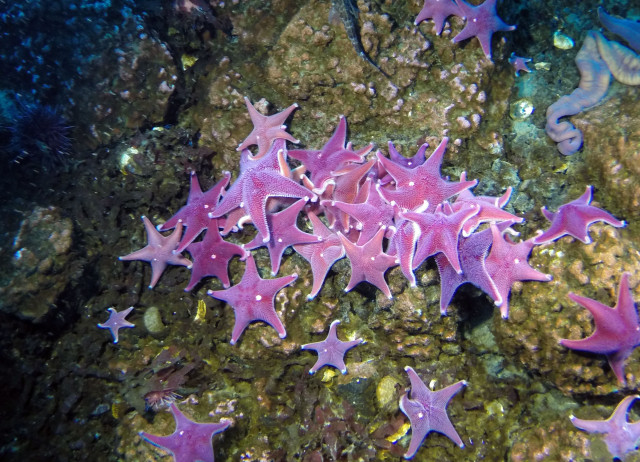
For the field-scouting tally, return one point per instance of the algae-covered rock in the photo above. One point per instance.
(40, 268)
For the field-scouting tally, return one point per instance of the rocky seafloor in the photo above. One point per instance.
(162, 95)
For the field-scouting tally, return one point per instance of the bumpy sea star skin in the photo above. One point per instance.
(507, 263)
(284, 233)
(266, 129)
(195, 214)
(211, 256)
(415, 187)
(368, 262)
(320, 255)
(260, 180)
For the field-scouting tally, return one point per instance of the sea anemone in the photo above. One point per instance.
(157, 399)
(40, 133)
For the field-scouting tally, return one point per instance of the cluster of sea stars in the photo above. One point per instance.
(354, 205)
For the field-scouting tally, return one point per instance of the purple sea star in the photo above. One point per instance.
(321, 255)
(345, 187)
(284, 233)
(427, 411)
(574, 218)
(159, 251)
(490, 208)
(621, 436)
(439, 11)
(410, 162)
(507, 263)
(617, 330)
(403, 245)
(211, 256)
(519, 63)
(191, 441)
(252, 299)
(368, 262)
(482, 22)
(331, 350)
(195, 215)
(116, 322)
(266, 129)
(370, 214)
(473, 252)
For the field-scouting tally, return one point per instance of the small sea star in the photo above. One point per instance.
(482, 22)
(116, 322)
(331, 350)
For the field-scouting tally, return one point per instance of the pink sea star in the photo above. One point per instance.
(116, 322)
(211, 256)
(439, 11)
(159, 251)
(482, 22)
(331, 351)
(617, 330)
(321, 255)
(427, 411)
(507, 263)
(252, 299)
(266, 129)
(260, 180)
(368, 262)
(574, 218)
(334, 155)
(422, 186)
(519, 63)
(190, 441)
(195, 215)
(284, 233)
(621, 436)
